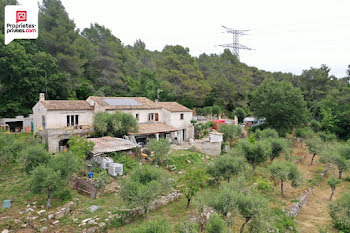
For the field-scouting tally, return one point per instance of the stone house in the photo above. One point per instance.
(57, 120)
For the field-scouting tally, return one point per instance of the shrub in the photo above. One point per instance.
(327, 137)
(34, 156)
(160, 148)
(240, 113)
(339, 211)
(315, 125)
(283, 222)
(64, 195)
(304, 133)
(266, 133)
(153, 226)
(215, 224)
(187, 227)
(129, 163)
(264, 185)
(231, 132)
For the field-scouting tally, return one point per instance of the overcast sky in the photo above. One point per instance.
(286, 35)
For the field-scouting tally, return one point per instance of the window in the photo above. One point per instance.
(157, 117)
(151, 117)
(72, 120)
(137, 116)
(181, 116)
(43, 121)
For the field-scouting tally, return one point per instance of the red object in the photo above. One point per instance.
(21, 16)
(217, 123)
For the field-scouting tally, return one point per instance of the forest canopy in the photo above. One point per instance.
(68, 63)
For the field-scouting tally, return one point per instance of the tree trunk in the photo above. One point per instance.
(49, 197)
(313, 157)
(147, 212)
(282, 188)
(155, 161)
(330, 198)
(243, 225)
(228, 179)
(188, 202)
(254, 166)
(340, 173)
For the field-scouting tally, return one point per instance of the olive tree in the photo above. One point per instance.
(339, 211)
(193, 180)
(52, 176)
(315, 146)
(285, 171)
(160, 149)
(255, 152)
(333, 182)
(80, 146)
(115, 124)
(34, 156)
(336, 155)
(278, 146)
(226, 166)
(231, 132)
(144, 185)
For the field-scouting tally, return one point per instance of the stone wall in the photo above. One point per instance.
(206, 147)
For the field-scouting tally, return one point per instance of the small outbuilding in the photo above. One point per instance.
(110, 144)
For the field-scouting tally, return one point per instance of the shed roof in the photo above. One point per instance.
(174, 107)
(124, 103)
(153, 128)
(110, 144)
(66, 105)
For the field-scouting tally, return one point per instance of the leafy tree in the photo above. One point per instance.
(9, 148)
(255, 152)
(278, 146)
(226, 166)
(215, 224)
(193, 180)
(315, 146)
(80, 147)
(66, 163)
(46, 180)
(336, 154)
(285, 171)
(240, 113)
(231, 132)
(116, 124)
(266, 133)
(34, 156)
(333, 182)
(144, 185)
(254, 209)
(339, 211)
(315, 125)
(160, 148)
(289, 101)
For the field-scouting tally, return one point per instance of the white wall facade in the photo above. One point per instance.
(58, 119)
(143, 114)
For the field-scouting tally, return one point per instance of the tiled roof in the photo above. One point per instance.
(174, 107)
(153, 128)
(124, 103)
(110, 144)
(66, 105)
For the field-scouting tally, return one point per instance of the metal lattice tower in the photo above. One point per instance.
(236, 46)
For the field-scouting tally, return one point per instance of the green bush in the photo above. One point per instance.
(327, 137)
(264, 185)
(266, 133)
(215, 224)
(315, 125)
(128, 162)
(153, 226)
(304, 132)
(64, 195)
(283, 222)
(181, 162)
(339, 211)
(187, 227)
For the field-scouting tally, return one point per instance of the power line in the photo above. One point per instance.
(235, 45)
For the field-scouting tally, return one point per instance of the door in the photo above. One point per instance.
(157, 117)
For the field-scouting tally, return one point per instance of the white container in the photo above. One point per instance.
(97, 159)
(115, 169)
(105, 162)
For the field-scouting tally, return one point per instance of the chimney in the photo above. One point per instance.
(41, 97)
